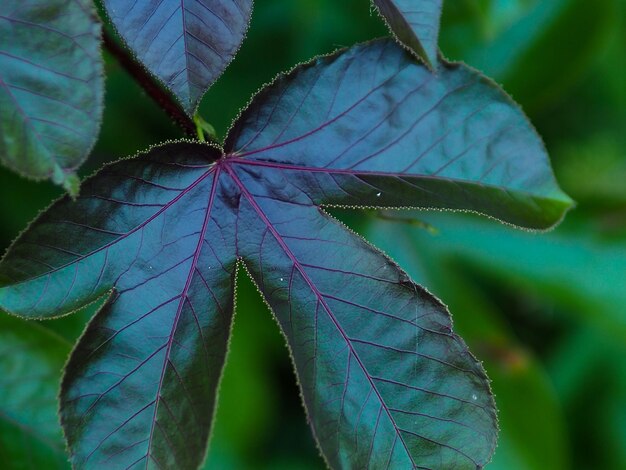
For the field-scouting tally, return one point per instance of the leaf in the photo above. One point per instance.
(523, 42)
(415, 23)
(594, 169)
(384, 378)
(577, 269)
(566, 64)
(517, 376)
(187, 44)
(403, 392)
(151, 358)
(51, 87)
(370, 127)
(30, 360)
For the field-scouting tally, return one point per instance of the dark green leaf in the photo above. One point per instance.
(384, 378)
(415, 23)
(594, 171)
(581, 272)
(521, 43)
(565, 53)
(187, 44)
(30, 361)
(51, 87)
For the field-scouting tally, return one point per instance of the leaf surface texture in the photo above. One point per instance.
(51, 86)
(187, 44)
(415, 23)
(386, 382)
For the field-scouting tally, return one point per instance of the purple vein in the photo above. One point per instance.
(360, 173)
(321, 300)
(327, 123)
(122, 236)
(192, 271)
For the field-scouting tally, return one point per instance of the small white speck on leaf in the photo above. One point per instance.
(474, 397)
(378, 194)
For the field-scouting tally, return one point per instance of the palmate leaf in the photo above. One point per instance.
(187, 44)
(415, 23)
(51, 86)
(385, 380)
(141, 380)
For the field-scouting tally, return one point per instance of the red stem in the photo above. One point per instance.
(161, 97)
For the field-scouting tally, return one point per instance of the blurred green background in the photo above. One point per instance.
(545, 312)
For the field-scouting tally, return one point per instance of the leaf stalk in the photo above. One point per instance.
(154, 90)
(203, 127)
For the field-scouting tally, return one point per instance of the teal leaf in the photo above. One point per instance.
(151, 358)
(51, 87)
(371, 127)
(415, 23)
(385, 380)
(516, 374)
(186, 44)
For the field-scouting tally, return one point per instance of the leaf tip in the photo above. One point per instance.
(67, 179)
(564, 201)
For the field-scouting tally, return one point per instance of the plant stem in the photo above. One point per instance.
(199, 130)
(203, 128)
(162, 98)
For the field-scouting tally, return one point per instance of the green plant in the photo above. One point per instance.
(384, 379)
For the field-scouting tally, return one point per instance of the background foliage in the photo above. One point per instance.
(545, 312)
